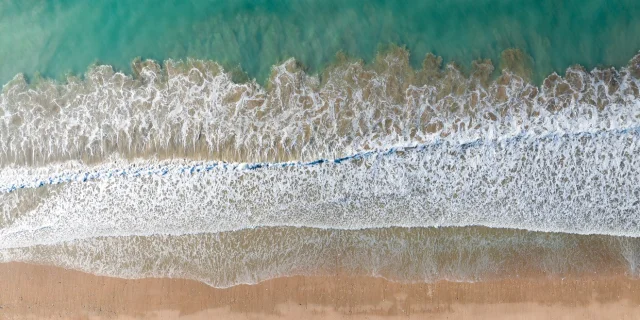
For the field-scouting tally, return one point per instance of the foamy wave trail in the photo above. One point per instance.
(182, 152)
(585, 183)
(399, 254)
(192, 109)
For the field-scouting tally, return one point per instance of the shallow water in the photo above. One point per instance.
(401, 254)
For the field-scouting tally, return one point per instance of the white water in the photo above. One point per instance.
(108, 157)
(584, 183)
(194, 109)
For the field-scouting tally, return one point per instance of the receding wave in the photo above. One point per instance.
(400, 254)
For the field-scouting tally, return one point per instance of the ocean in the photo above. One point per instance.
(54, 38)
(232, 142)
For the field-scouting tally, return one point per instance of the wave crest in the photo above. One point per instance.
(193, 109)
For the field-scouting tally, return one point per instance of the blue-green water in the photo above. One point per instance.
(60, 36)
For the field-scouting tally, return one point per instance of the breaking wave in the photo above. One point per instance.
(96, 170)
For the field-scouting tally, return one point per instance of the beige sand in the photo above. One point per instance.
(37, 292)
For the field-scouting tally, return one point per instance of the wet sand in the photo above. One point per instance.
(43, 292)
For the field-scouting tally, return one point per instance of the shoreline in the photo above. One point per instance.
(45, 292)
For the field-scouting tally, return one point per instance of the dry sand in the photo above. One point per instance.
(42, 292)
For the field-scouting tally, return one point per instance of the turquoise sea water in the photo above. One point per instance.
(60, 36)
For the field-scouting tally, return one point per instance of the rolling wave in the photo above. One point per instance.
(194, 110)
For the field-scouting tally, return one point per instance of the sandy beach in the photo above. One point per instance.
(43, 292)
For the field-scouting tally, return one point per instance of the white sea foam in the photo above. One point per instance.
(193, 109)
(119, 156)
(586, 183)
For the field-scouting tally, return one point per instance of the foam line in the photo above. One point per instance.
(583, 183)
(193, 109)
(138, 169)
